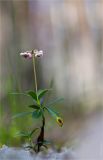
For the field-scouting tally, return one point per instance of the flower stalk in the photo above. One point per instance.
(35, 76)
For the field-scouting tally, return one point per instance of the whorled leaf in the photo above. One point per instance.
(54, 102)
(46, 142)
(42, 92)
(32, 94)
(21, 114)
(37, 114)
(22, 134)
(33, 131)
(17, 93)
(34, 106)
(52, 113)
(58, 119)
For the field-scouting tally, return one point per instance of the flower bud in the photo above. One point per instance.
(59, 121)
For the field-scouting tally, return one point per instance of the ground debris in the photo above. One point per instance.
(8, 153)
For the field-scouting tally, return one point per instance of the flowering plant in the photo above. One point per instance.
(38, 107)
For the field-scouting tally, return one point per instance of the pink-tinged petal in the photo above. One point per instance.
(27, 55)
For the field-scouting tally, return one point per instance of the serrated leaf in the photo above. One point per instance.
(21, 114)
(41, 93)
(54, 102)
(32, 94)
(34, 106)
(36, 114)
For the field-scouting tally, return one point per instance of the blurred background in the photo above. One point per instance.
(70, 32)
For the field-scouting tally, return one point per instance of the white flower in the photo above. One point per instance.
(29, 54)
(26, 54)
(38, 53)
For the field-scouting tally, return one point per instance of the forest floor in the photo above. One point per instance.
(89, 146)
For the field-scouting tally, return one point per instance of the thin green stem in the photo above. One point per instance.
(35, 77)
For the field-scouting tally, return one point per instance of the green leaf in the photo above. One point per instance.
(32, 94)
(41, 92)
(29, 147)
(34, 130)
(59, 120)
(22, 134)
(52, 113)
(54, 102)
(17, 93)
(46, 142)
(36, 114)
(34, 106)
(21, 114)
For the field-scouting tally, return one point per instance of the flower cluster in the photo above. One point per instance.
(29, 54)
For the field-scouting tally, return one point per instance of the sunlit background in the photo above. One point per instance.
(70, 32)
